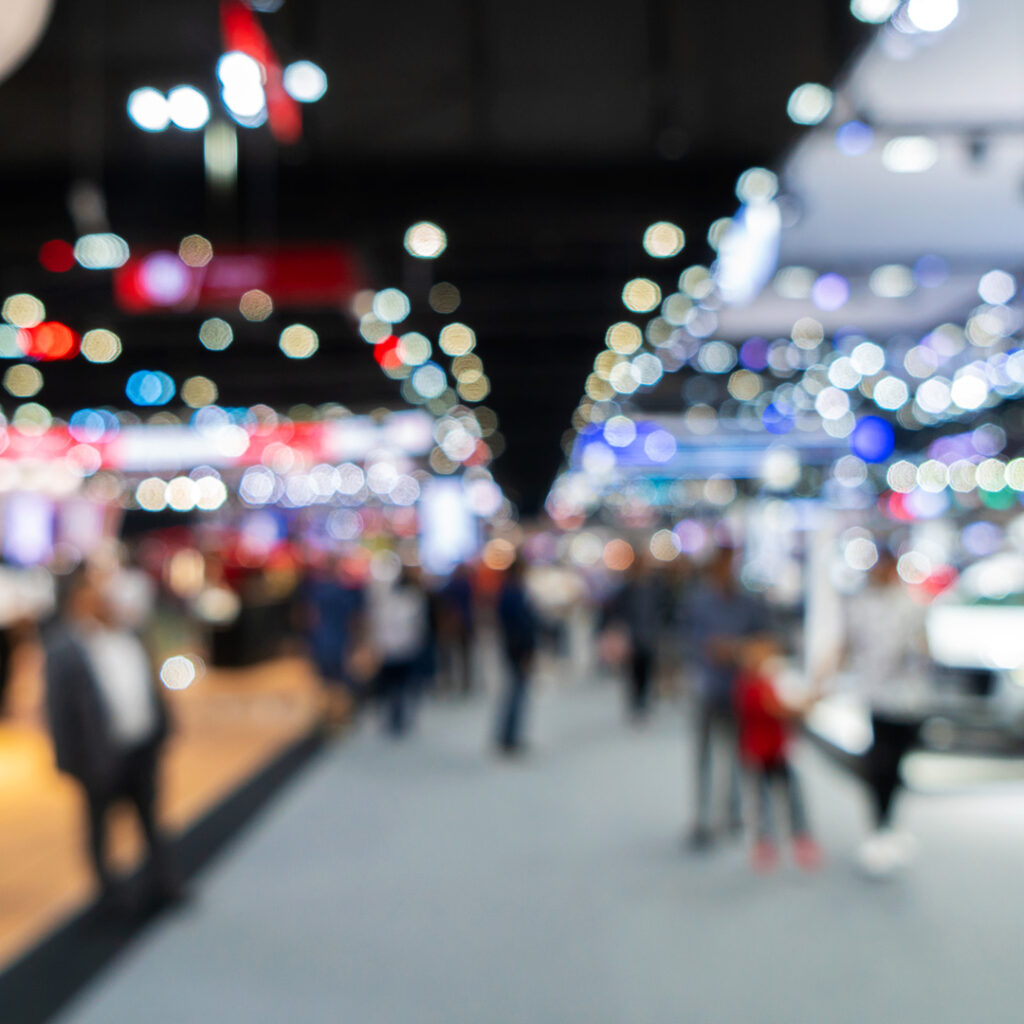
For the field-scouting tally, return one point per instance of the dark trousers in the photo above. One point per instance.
(455, 655)
(639, 695)
(395, 690)
(135, 780)
(778, 777)
(893, 738)
(716, 727)
(513, 705)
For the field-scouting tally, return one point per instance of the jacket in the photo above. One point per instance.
(79, 722)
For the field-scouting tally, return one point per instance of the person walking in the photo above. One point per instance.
(518, 622)
(718, 616)
(638, 610)
(108, 725)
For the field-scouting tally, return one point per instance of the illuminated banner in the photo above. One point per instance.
(173, 447)
(295, 277)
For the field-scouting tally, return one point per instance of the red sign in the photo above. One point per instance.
(296, 277)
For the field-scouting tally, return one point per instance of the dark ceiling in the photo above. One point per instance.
(543, 136)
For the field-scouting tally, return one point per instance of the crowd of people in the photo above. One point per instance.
(395, 641)
(387, 643)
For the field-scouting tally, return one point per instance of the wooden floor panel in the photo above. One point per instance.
(227, 726)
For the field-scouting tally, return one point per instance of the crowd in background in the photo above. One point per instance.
(382, 645)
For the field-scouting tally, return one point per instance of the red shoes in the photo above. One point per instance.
(807, 853)
(765, 855)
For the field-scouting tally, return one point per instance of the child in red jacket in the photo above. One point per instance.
(764, 739)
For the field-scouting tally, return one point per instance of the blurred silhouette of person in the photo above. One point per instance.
(519, 627)
(763, 721)
(108, 722)
(638, 608)
(425, 669)
(399, 631)
(718, 616)
(885, 654)
(333, 603)
(455, 629)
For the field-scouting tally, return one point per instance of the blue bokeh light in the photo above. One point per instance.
(873, 439)
(149, 387)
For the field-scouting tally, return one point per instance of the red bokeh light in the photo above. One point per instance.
(57, 255)
(895, 506)
(49, 341)
(386, 353)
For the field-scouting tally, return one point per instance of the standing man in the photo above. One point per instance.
(108, 722)
(519, 628)
(719, 617)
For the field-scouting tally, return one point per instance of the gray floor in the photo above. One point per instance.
(425, 882)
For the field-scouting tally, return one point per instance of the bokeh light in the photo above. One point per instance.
(809, 103)
(305, 81)
(195, 251)
(425, 240)
(444, 298)
(641, 295)
(297, 341)
(456, 340)
(23, 380)
(198, 391)
(255, 305)
(216, 334)
(100, 345)
(23, 310)
(148, 109)
(664, 239)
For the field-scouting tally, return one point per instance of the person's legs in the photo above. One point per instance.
(806, 851)
(764, 855)
(140, 787)
(892, 740)
(702, 824)
(763, 779)
(730, 739)
(640, 681)
(790, 785)
(510, 720)
(465, 664)
(400, 694)
(98, 802)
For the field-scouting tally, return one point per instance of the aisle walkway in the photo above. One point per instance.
(426, 882)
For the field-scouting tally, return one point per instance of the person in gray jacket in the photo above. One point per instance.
(108, 723)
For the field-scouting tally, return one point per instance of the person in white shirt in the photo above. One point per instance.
(887, 667)
(108, 722)
(399, 625)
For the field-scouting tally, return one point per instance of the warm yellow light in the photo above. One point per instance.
(100, 345)
(195, 251)
(198, 391)
(255, 305)
(457, 340)
(623, 337)
(298, 341)
(664, 239)
(641, 295)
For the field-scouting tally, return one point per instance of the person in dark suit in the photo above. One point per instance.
(519, 627)
(108, 723)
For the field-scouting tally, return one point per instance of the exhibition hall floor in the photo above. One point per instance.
(427, 881)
